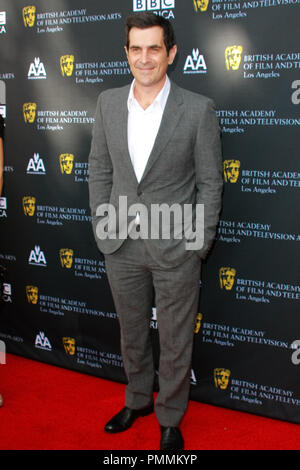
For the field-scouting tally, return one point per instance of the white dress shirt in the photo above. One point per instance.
(143, 125)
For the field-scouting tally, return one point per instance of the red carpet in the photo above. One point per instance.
(50, 408)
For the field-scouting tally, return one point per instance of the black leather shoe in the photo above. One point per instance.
(125, 419)
(171, 439)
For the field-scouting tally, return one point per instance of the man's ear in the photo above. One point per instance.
(172, 54)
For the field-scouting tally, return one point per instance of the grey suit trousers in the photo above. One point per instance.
(133, 276)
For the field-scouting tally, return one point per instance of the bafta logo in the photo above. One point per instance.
(200, 5)
(69, 345)
(32, 294)
(231, 170)
(233, 57)
(221, 378)
(66, 163)
(66, 257)
(67, 65)
(29, 16)
(29, 112)
(29, 205)
(198, 321)
(227, 276)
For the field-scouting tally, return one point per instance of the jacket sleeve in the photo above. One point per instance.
(100, 166)
(209, 179)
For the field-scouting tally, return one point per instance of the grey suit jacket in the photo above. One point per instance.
(184, 167)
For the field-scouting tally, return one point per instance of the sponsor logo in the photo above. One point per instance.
(233, 231)
(233, 57)
(257, 394)
(69, 345)
(54, 120)
(54, 215)
(37, 257)
(221, 378)
(66, 257)
(226, 277)
(2, 22)
(36, 166)
(37, 70)
(66, 65)
(58, 306)
(97, 359)
(3, 203)
(257, 65)
(42, 342)
(28, 13)
(160, 7)
(230, 336)
(29, 112)
(255, 290)
(55, 21)
(193, 380)
(260, 181)
(195, 63)
(235, 121)
(66, 163)
(32, 294)
(198, 321)
(92, 72)
(3, 207)
(231, 170)
(68, 166)
(6, 292)
(227, 10)
(153, 320)
(200, 5)
(29, 205)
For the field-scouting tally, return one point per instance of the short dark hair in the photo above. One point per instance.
(147, 19)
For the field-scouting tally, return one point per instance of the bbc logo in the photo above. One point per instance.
(3, 203)
(142, 5)
(2, 17)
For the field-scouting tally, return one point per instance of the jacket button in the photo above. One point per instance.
(139, 192)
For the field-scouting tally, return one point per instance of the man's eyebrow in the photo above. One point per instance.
(152, 46)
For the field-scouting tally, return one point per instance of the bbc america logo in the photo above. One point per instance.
(143, 5)
(2, 22)
(3, 207)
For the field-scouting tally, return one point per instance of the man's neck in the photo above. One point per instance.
(146, 95)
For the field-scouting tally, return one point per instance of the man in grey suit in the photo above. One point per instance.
(154, 145)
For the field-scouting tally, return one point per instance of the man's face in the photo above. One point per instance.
(147, 55)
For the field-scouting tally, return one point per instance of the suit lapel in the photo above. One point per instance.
(170, 119)
(121, 123)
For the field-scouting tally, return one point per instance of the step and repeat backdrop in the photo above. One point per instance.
(56, 306)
